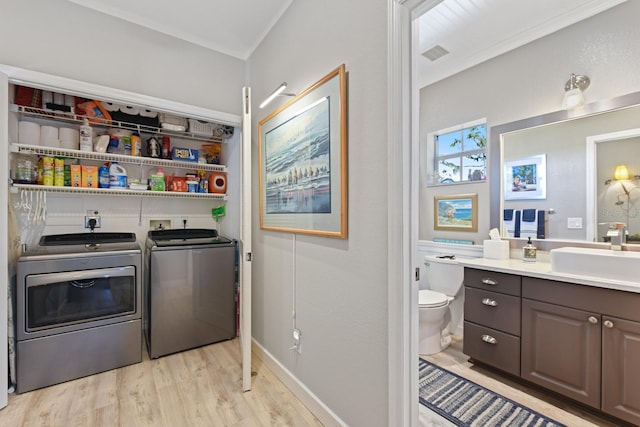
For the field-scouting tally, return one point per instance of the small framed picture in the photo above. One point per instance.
(456, 213)
(525, 178)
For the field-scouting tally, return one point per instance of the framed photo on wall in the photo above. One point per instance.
(303, 161)
(525, 178)
(457, 212)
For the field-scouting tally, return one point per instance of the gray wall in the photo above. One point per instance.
(528, 82)
(340, 285)
(61, 38)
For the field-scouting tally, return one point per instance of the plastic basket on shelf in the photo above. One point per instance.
(200, 127)
(171, 122)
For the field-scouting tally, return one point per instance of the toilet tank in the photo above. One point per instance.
(443, 274)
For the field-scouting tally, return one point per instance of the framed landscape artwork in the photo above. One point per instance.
(456, 212)
(303, 161)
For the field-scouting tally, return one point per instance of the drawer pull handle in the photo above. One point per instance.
(489, 281)
(608, 324)
(489, 339)
(593, 320)
(490, 302)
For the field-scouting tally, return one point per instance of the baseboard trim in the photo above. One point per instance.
(308, 399)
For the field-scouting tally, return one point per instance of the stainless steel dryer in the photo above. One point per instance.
(78, 307)
(190, 284)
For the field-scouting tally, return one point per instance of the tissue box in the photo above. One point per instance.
(496, 249)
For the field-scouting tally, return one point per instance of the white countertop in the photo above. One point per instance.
(542, 270)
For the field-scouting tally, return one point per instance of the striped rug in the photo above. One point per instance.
(466, 403)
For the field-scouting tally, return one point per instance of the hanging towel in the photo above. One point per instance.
(528, 215)
(529, 225)
(541, 225)
(516, 232)
(508, 223)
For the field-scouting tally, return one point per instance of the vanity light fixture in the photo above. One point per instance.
(278, 92)
(574, 87)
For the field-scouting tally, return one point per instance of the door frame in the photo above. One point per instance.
(4, 240)
(402, 208)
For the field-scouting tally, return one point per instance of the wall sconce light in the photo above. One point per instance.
(574, 87)
(621, 173)
(278, 92)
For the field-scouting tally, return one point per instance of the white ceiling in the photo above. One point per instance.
(233, 27)
(472, 31)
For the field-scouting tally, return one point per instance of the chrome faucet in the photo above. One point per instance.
(618, 236)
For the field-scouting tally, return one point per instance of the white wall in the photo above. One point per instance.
(340, 285)
(603, 47)
(61, 38)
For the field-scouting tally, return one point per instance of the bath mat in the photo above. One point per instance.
(466, 403)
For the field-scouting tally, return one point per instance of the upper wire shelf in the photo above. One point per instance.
(140, 128)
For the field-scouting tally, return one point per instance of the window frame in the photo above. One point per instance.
(432, 157)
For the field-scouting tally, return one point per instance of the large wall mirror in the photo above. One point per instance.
(580, 150)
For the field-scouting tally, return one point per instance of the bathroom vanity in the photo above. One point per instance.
(576, 336)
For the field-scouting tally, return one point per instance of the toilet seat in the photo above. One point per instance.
(431, 299)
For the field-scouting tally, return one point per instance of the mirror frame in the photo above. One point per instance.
(496, 158)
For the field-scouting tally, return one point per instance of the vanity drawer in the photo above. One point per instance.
(492, 309)
(490, 280)
(492, 347)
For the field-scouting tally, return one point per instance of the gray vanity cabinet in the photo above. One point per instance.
(492, 319)
(580, 341)
(561, 350)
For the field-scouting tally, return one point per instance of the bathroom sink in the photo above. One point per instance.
(598, 263)
(86, 238)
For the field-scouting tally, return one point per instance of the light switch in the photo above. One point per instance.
(574, 223)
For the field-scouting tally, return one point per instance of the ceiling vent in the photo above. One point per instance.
(435, 52)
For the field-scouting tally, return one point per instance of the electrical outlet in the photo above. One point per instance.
(92, 221)
(297, 337)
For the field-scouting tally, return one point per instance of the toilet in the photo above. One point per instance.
(444, 278)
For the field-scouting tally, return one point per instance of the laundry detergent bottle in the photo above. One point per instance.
(117, 176)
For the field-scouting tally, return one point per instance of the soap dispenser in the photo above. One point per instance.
(529, 252)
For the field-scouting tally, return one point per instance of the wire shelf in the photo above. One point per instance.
(117, 192)
(109, 157)
(79, 119)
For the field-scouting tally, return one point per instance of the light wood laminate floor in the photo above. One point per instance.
(199, 387)
(455, 361)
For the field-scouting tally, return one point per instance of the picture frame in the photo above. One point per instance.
(458, 212)
(303, 161)
(525, 178)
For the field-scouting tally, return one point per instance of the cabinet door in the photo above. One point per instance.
(620, 370)
(561, 350)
